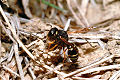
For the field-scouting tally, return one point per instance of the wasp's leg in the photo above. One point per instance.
(50, 43)
(64, 55)
(53, 47)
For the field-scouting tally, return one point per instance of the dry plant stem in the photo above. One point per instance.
(79, 78)
(17, 24)
(93, 2)
(106, 22)
(59, 77)
(52, 13)
(54, 70)
(101, 44)
(87, 67)
(30, 69)
(56, 78)
(67, 25)
(11, 71)
(32, 43)
(75, 16)
(14, 33)
(32, 34)
(115, 76)
(84, 4)
(96, 37)
(84, 20)
(10, 55)
(23, 20)
(103, 1)
(7, 32)
(63, 19)
(83, 41)
(100, 69)
(1, 77)
(25, 4)
(18, 61)
(51, 69)
(0, 37)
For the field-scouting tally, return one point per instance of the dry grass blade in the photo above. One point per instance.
(96, 36)
(10, 55)
(25, 4)
(54, 70)
(84, 5)
(7, 32)
(14, 34)
(67, 25)
(87, 67)
(115, 76)
(79, 78)
(74, 14)
(100, 69)
(11, 71)
(18, 61)
(51, 69)
(83, 18)
(30, 69)
(106, 22)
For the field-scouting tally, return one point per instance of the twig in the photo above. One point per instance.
(11, 71)
(23, 20)
(84, 4)
(100, 69)
(63, 19)
(25, 4)
(14, 34)
(87, 67)
(106, 22)
(1, 77)
(53, 13)
(0, 38)
(30, 69)
(79, 78)
(67, 25)
(18, 61)
(83, 18)
(104, 3)
(96, 37)
(101, 44)
(115, 76)
(56, 71)
(51, 69)
(10, 55)
(83, 41)
(17, 24)
(93, 2)
(8, 32)
(32, 34)
(75, 16)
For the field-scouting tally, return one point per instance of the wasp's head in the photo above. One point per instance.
(52, 34)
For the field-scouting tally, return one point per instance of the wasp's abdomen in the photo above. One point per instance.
(73, 54)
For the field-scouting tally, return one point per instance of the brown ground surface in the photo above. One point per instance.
(37, 45)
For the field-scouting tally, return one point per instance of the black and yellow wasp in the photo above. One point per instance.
(59, 38)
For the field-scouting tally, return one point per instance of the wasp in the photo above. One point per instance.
(59, 38)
